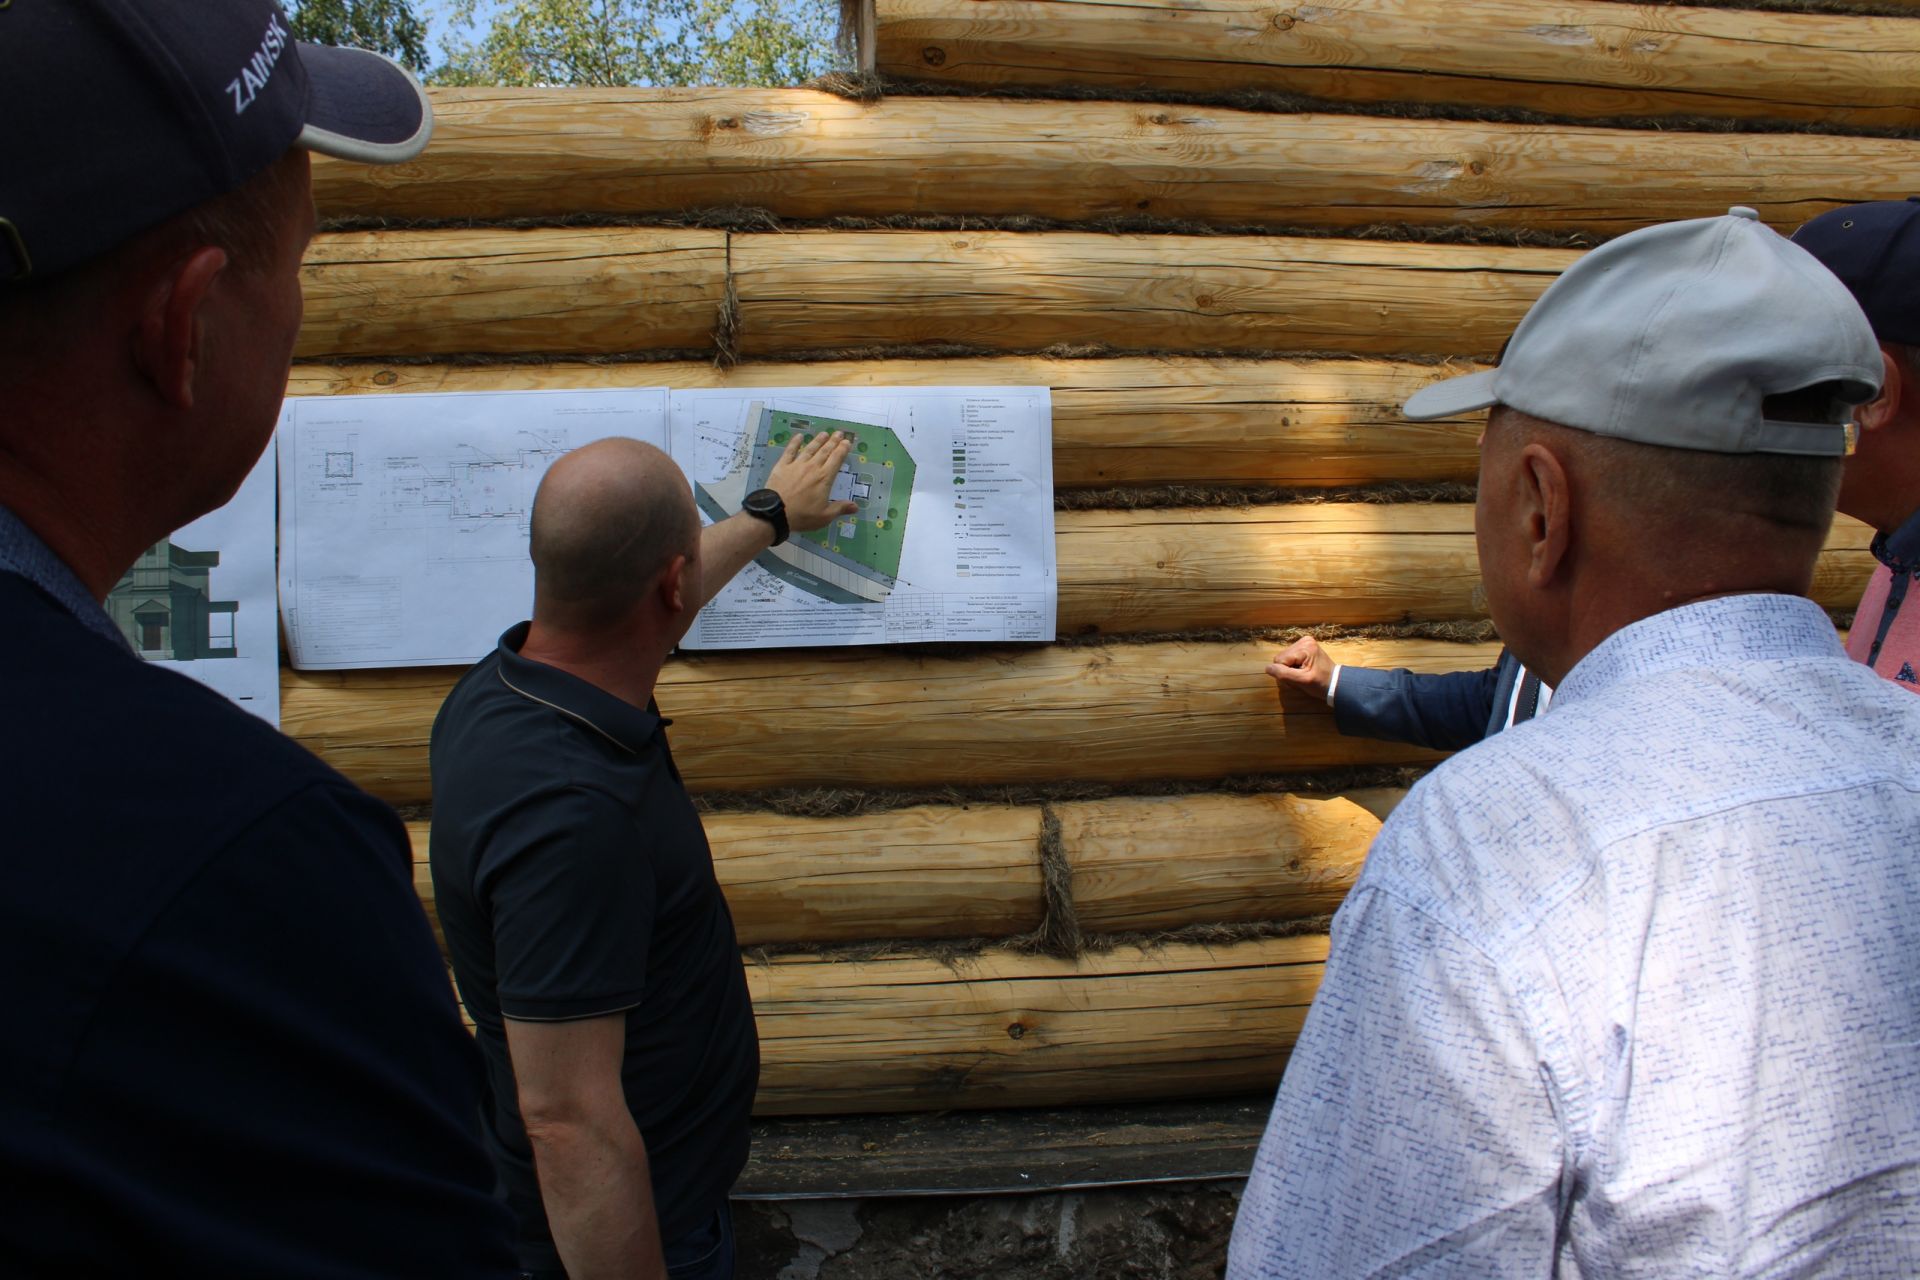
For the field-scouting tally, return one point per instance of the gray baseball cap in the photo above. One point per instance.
(1674, 335)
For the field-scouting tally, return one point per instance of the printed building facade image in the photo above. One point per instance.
(165, 606)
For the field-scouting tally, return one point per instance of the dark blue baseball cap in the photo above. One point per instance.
(1875, 250)
(117, 114)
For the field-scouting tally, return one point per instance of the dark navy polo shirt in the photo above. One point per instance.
(230, 1047)
(573, 880)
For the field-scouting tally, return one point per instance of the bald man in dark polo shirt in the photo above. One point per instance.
(588, 934)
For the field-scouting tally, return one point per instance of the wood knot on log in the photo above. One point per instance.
(1016, 1031)
(934, 56)
(1283, 21)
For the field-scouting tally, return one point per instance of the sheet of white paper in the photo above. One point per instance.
(954, 538)
(201, 601)
(403, 518)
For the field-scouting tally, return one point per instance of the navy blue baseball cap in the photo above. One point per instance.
(1875, 250)
(118, 114)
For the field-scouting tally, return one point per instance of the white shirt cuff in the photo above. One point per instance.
(1333, 684)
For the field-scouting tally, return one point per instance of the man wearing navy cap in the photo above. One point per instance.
(1875, 250)
(231, 1049)
(1628, 989)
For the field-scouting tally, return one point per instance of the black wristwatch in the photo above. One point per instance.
(768, 506)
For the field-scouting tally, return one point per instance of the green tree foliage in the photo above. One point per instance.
(644, 42)
(384, 26)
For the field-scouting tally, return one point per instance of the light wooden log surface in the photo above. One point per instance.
(1188, 569)
(581, 292)
(529, 292)
(1585, 60)
(1000, 1030)
(1243, 858)
(500, 153)
(1020, 291)
(1125, 421)
(974, 871)
(935, 871)
(1113, 713)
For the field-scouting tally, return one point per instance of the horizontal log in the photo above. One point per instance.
(1012, 291)
(1129, 421)
(1189, 569)
(525, 292)
(1585, 60)
(569, 291)
(948, 871)
(502, 153)
(1000, 1030)
(1242, 858)
(1114, 713)
(926, 872)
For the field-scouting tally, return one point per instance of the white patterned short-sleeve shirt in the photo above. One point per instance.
(1632, 989)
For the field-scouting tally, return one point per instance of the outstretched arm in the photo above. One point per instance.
(804, 480)
(1443, 712)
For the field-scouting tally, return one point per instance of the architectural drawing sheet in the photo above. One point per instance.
(404, 518)
(201, 600)
(953, 539)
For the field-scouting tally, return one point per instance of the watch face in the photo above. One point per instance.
(763, 500)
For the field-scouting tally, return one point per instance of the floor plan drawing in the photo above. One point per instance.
(472, 483)
(404, 519)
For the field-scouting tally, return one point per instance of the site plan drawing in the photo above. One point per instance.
(201, 599)
(952, 538)
(404, 518)
(854, 560)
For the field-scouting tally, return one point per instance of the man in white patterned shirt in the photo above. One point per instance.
(1633, 989)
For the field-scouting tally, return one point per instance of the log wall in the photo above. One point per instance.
(994, 908)
(522, 153)
(541, 291)
(1590, 60)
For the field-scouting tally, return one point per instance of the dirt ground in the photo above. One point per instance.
(1176, 1232)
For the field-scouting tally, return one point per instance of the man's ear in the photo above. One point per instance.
(1546, 506)
(1882, 409)
(673, 585)
(166, 346)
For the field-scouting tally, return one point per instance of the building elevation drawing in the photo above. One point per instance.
(854, 560)
(164, 605)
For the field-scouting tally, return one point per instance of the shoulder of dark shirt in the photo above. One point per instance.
(86, 717)
(491, 745)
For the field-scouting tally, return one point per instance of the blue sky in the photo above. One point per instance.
(435, 13)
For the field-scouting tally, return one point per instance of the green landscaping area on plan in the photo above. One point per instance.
(878, 477)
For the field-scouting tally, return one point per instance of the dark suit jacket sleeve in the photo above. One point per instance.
(279, 1073)
(1442, 712)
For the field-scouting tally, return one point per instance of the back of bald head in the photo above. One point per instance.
(609, 518)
